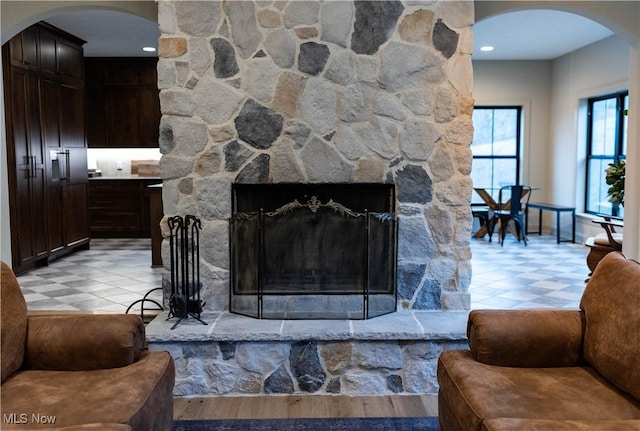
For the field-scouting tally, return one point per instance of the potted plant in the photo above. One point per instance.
(615, 179)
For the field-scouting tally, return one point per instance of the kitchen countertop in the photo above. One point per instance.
(125, 177)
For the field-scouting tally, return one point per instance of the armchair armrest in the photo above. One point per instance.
(526, 338)
(83, 342)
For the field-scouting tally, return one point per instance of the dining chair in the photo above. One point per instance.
(512, 201)
(487, 223)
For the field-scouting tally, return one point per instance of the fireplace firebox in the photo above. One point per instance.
(313, 251)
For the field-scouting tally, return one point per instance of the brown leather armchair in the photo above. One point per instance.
(554, 370)
(79, 371)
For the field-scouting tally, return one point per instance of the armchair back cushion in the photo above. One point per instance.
(612, 323)
(13, 323)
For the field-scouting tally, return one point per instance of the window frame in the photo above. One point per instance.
(518, 134)
(619, 145)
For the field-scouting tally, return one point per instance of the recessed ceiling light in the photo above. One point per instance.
(149, 49)
(486, 48)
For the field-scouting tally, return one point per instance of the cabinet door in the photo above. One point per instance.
(49, 96)
(149, 117)
(72, 116)
(28, 223)
(123, 121)
(55, 217)
(75, 213)
(38, 180)
(24, 49)
(148, 75)
(70, 61)
(48, 44)
(96, 116)
(76, 159)
(68, 200)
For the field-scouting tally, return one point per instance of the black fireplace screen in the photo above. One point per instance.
(312, 256)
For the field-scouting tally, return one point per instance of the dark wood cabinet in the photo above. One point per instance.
(27, 182)
(120, 207)
(67, 200)
(60, 55)
(24, 49)
(44, 109)
(122, 102)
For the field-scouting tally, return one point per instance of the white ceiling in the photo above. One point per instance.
(534, 35)
(521, 35)
(109, 33)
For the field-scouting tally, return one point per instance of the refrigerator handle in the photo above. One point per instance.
(68, 165)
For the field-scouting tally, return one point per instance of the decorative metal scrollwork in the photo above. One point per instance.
(313, 205)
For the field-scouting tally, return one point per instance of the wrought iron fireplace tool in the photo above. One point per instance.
(184, 247)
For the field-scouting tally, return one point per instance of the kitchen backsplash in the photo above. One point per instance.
(116, 162)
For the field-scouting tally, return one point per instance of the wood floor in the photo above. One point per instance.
(310, 406)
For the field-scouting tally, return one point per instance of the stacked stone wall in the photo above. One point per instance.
(323, 92)
(306, 367)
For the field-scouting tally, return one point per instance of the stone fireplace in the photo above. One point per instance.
(323, 92)
(316, 92)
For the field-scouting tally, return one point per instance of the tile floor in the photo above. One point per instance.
(116, 272)
(108, 277)
(541, 275)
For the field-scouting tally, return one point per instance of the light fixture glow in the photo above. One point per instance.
(487, 48)
(149, 49)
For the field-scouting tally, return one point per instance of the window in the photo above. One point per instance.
(606, 143)
(495, 147)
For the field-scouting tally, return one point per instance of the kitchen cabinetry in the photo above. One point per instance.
(23, 49)
(46, 146)
(120, 207)
(123, 106)
(27, 183)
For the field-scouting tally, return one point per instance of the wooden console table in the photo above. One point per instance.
(558, 209)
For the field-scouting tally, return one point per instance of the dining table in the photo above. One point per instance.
(492, 205)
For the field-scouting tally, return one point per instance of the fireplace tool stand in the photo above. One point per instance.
(184, 246)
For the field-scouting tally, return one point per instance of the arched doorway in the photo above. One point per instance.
(623, 19)
(17, 16)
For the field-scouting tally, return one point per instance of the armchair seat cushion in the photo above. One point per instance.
(474, 392)
(603, 239)
(133, 395)
(510, 424)
(88, 427)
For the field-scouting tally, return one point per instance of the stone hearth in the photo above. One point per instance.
(237, 355)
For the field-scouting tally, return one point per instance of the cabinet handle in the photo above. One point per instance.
(68, 156)
(33, 167)
(67, 165)
(28, 171)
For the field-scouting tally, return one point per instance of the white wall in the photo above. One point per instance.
(597, 69)
(631, 246)
(528, 84)
(5, 231)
